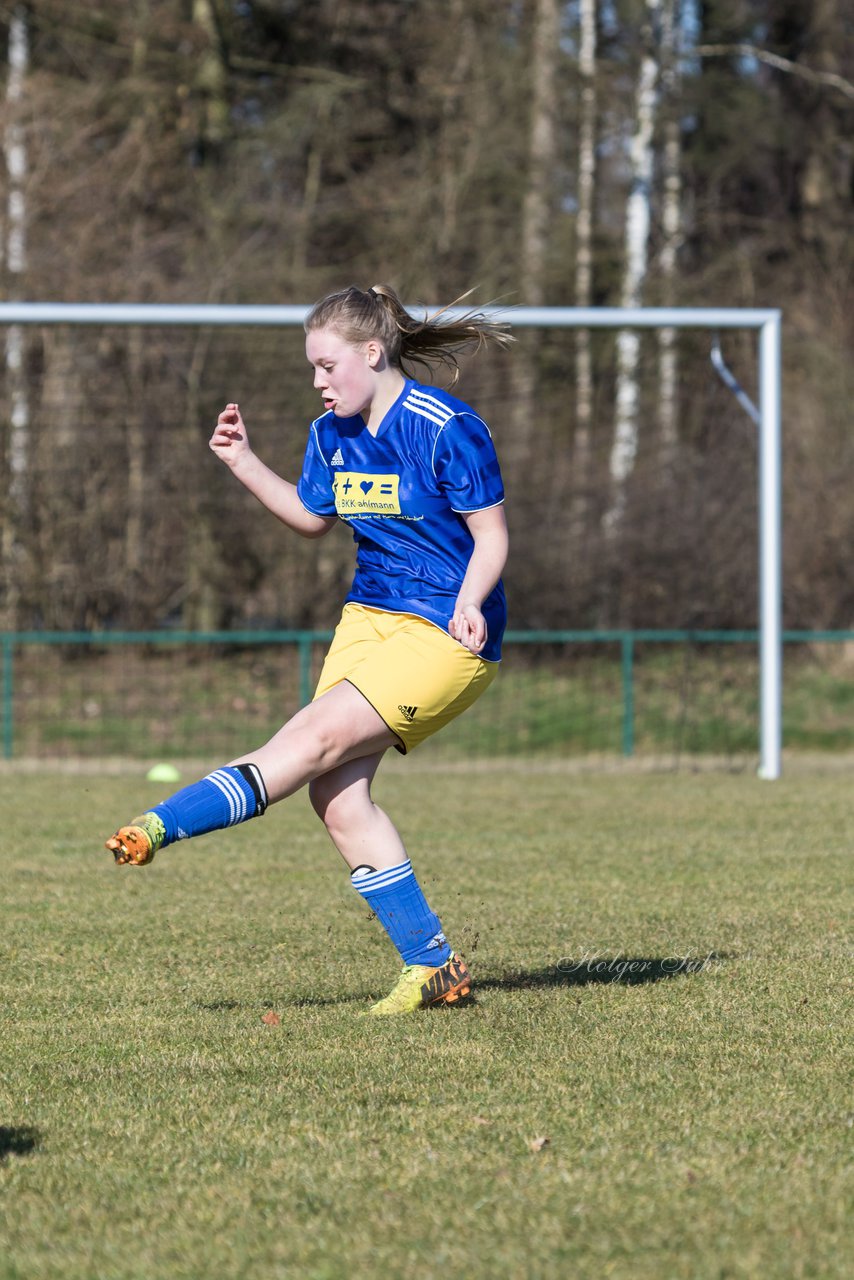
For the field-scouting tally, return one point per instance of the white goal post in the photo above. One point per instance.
(766, 321)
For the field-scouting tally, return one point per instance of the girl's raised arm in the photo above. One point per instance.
(230, 443)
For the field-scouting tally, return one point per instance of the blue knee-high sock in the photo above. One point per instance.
(225, 797)
(396, 899)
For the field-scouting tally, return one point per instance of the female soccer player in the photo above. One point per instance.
(413, 471)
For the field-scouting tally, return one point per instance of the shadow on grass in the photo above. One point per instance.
(17, 1140)
(587, 970)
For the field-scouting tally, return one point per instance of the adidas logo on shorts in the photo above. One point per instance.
(408, 712)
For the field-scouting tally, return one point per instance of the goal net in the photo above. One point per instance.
(143, 587)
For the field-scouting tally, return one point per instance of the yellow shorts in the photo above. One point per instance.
(415, 675)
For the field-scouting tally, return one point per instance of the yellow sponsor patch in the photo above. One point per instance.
(359, 493)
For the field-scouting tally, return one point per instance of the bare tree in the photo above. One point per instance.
(584, 254)
(15, 154)
(827, 79)
(638, 206)
(537, 206)
(671, 223)
(455, 163)
(211, 81)
(538, 202)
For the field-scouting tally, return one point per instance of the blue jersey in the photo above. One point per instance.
(403, 492)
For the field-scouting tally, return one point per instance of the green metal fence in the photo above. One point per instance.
(605, 693)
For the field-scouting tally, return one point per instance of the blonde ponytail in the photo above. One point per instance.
(360, 315)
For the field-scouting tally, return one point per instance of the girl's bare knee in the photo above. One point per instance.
(340, 811)
(315, 747)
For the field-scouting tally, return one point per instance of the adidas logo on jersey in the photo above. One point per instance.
(337, 460)
(408, 712)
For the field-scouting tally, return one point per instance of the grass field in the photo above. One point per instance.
(653, 1081)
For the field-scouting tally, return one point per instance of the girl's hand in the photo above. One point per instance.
(468, 625)
(230, 441)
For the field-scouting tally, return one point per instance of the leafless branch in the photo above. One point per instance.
(829, 78)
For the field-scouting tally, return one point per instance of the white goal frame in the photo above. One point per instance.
(767, 415)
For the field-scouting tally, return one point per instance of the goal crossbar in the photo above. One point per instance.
(766, 321)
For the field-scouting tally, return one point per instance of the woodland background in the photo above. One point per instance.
(599, 152)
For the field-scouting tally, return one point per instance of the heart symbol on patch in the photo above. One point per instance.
(366, 485)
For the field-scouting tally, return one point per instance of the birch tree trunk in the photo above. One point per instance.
(625, 445)
(584, 258)
(671, 225)
(15, 154)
